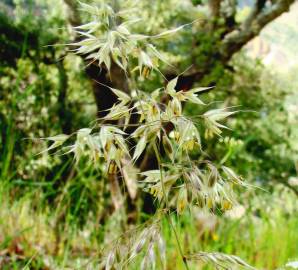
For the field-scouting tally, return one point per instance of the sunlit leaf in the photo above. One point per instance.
(139, 148)
(170, 89)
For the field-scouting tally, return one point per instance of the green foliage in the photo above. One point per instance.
(268, 149)
(44, 91)
(264, 233)
(190, 182)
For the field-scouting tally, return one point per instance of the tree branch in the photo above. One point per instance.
(229, 17)
(73, 16)
(286, 183)
(259, 5)
(238, 38)
(214, 6)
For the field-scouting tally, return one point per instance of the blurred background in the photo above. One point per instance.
(54, 215)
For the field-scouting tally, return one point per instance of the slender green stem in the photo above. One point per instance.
(227, 155)
(166, 201)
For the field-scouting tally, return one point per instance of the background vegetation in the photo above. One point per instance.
(55, 215)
